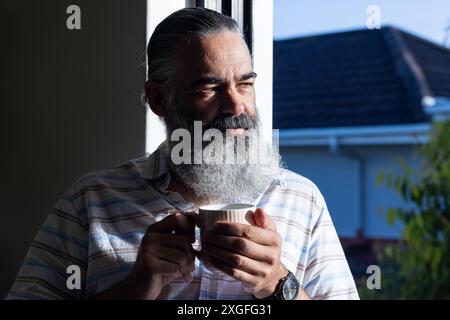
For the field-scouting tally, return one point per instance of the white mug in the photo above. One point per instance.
(233, 212)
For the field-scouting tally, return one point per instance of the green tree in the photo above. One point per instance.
(418, 266)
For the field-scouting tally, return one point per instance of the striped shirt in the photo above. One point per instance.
(100, 220)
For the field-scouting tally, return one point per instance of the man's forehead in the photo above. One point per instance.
(217, 55)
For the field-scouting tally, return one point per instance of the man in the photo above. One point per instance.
(131, 230)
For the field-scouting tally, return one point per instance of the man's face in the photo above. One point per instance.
(214, 77)
(214, 82)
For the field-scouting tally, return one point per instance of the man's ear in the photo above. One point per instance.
(154, 98)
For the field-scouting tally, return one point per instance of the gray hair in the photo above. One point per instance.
(188, 22)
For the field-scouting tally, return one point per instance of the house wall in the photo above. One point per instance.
(347, 179)
(70, 104)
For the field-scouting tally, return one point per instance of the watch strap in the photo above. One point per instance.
(277, 295)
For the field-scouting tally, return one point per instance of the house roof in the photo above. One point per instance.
(357, 78)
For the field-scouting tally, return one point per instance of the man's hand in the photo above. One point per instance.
(165, 253)
(248, 253)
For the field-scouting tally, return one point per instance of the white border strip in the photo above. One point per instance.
(157, 10)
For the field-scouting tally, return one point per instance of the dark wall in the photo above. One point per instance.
(70, 104)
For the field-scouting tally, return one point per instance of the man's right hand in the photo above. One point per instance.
(165, 254)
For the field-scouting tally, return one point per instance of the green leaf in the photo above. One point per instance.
(380, 178)
(391, 215)
(416, 193)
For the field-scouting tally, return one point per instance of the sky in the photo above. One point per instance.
(425, 18)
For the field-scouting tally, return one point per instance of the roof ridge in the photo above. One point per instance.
(327, 34)
(408, 69)
(423, 40)
(385, 28)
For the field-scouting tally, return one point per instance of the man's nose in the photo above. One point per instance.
(233, 102)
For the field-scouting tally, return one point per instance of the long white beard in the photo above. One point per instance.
(231, 183)
(222, 182)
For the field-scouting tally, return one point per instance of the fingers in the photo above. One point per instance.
(240, 245)
(171, 251)
(179, 223)
(169, 241)
(237, 261)
(252, 233)
(240, 275)
(167, 254)
(184, 260)
(171, 270)
(263, 220)
(163, 267)
(248, 253)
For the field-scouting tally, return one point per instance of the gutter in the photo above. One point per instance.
(438, 108)
(354, 136)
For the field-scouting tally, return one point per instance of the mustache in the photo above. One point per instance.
(243, 121)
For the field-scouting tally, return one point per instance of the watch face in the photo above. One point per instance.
(290, 289)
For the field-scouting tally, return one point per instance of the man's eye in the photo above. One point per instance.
(207, 91)
(246, 84)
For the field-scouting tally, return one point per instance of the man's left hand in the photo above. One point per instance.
(248, 253)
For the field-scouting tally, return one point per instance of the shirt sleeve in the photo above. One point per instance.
(327, 274)
(55, 265)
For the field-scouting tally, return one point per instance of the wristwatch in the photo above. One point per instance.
(287, 288)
